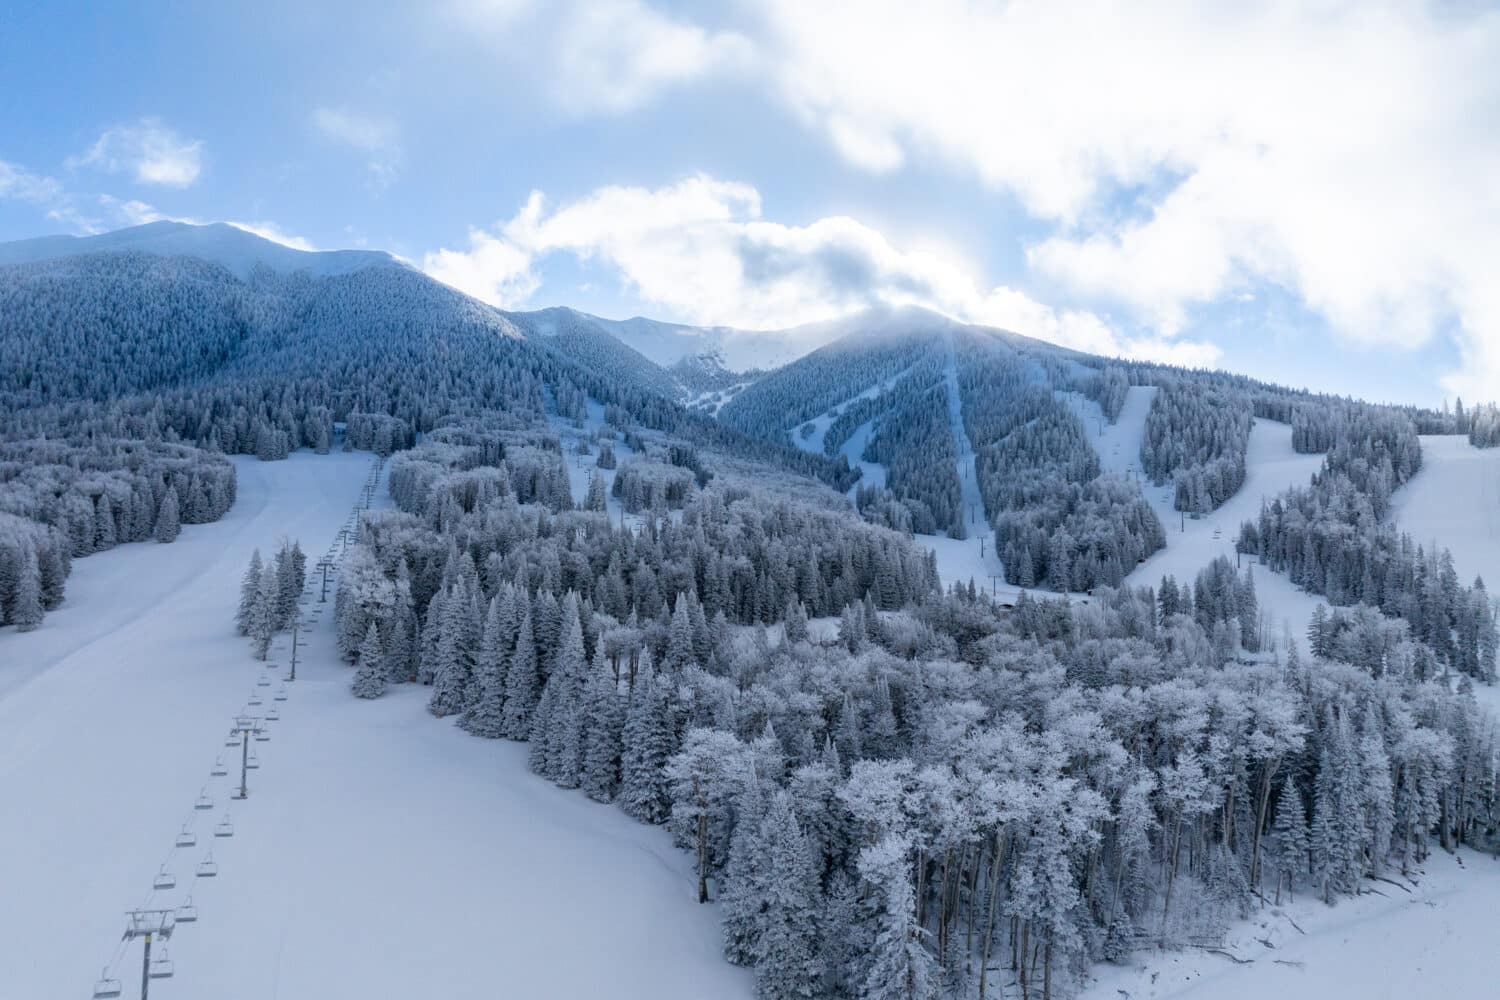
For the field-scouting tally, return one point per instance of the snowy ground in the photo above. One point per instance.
(1271, 466)
(1455, 501)
(1435, 940)
(382, 853)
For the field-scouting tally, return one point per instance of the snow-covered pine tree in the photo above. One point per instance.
(1291, 837)
(486, 717)
(168, 518)
(450, 678)
(521, 682)
(370, 675)
(603, 731)
(263, 622)
(786, 966)
(249, 594)
(649, 744)
(26, 613)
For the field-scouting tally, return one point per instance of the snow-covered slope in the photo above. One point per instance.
(1271, 466)
(1455, 501)
(237, 250)
(382, 853)
(1429, 937)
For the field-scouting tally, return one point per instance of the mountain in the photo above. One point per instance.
(237, 250)
(729, 348)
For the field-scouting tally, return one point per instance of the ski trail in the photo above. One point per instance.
(959, 559)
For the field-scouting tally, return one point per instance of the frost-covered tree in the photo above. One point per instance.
(370, 676)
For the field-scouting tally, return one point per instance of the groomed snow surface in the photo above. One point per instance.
(382, 853)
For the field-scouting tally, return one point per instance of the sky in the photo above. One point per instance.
(1307, 193)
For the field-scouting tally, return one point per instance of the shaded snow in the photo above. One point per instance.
(1390, 944)
(382, 852)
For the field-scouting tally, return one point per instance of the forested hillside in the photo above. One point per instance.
(892, 791)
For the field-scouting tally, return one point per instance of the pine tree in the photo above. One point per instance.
(649, 744)
(487, 715)
(564, 736)
(249, 594)
(168, 520)
(786, 965)
(604, 731)
(369, 676)
(595, 500)
(741, 896)
(26, 614)
(1291, 835)
(520, 683)
(263, 621)
(450, 678)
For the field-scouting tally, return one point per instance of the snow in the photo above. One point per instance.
(381, 853)
(1455, 501)
(1271, 467)
(1389, 944)
(960, 560)
(236, 249)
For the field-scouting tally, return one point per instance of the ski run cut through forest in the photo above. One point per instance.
(360, 639)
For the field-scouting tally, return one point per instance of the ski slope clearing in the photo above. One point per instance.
(1118, 443)
(1271, 466)
(381, 853)
(1455, 501)
(1428, 937)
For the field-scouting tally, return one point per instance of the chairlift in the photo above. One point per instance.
(161, 968)
(263, 681)
(208, 867)
(205, 800)
(187, 913)
(106, 987)
(224, 828)
(262, 735)
(252, 762)
(219, 769)
(280, 695)
(255, 701)
(164, 879)
(233, 739)
(272, 715)
(187, 838)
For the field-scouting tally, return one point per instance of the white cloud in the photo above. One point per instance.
(147, 149)
(1346, 151)
(701, 250)
(378, 137)
(490, 269)
(603, 56)
(47, 193)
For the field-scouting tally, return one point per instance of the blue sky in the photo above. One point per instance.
(1305, 197)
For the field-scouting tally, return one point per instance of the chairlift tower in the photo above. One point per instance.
(249, 727)
(146, 924)
(297, 628)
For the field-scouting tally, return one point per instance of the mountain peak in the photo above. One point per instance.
(235, 248)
